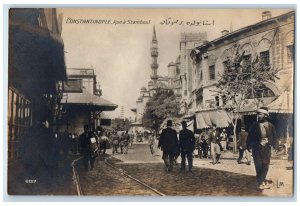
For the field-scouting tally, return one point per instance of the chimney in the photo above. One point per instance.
(224, 32)
(266, 15)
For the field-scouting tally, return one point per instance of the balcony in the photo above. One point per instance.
(154, 53)
(154, 65)
(154, 76)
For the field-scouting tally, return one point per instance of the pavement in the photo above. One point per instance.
(41, 182)
(225, 179)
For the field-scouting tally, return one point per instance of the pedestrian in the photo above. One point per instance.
(168, 143)
(124, 142)
(131, 138)
(65, 143)
(204, 144)
(151, 142)
(262, 136)
(223, 140)
(215, 145)
(187, 146)
(115, 142)
(88, 147)
(241, 144)
(103, 142)
(39, 151)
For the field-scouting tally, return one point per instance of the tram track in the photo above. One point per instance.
(122, 172)
(80, 190)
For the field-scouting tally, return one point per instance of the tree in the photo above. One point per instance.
(243, 79)
(162, 105)
(120, 124)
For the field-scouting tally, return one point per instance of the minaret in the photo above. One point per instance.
(154, 55)
(231, 29)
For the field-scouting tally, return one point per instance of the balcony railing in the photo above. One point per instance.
(154, 65)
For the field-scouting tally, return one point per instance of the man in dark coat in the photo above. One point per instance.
(168, 142)
(262, 136)
(186, 145)
(86, 142)
(241, 144)
(39, 152)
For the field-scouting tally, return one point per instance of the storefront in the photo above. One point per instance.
(36, 64)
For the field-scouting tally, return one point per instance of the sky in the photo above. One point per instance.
(120, 53)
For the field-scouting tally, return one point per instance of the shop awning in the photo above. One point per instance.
(36, 59)
(252, 105)
(89, 100)
(282, 104)
(206, 119)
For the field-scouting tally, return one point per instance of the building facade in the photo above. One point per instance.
(36, 66)
(82, 102)
(271, 40)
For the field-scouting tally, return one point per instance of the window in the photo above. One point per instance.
(73, 85)
(265, 58)
(246, 64)
(217, 101)
(19, 119)
(212, 71)
(201, 76)
(224, 100)
(226, 65)
(210, 103)
(290, 53)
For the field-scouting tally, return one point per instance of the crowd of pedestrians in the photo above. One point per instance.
(258, 142)
(47, 148)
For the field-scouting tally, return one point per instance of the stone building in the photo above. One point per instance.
(271, 39)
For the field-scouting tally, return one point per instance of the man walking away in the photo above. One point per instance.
(262, 136)
(168, 143)
(214, 145)
(88, 147)
(241, 143)
(115, 142)
(186, 145)
(151, 142)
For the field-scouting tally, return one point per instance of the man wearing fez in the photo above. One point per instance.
(187, 145)
(168, 143)
(262, 136)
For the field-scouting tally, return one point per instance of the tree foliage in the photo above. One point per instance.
(162, 105)
(244, 78)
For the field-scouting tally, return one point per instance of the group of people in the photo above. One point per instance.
(93, 144)
(170, 145)
(258, 141)
(44, 152)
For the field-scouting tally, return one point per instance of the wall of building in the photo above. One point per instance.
(76, 123)
(276, 39)
(188, 42)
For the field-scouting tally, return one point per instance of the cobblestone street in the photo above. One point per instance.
(225, 179)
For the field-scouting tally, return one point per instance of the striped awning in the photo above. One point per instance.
(282, 104)
(205, 119)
